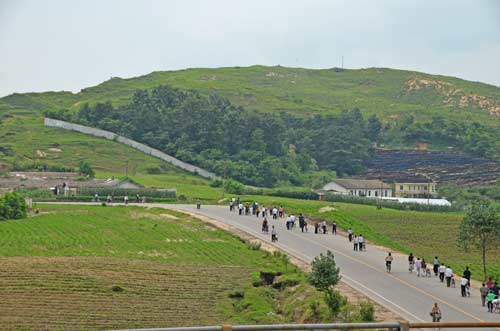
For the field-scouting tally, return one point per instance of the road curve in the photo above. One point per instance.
(404, 293)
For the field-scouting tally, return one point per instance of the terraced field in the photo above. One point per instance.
(85, 293)
(93, 267)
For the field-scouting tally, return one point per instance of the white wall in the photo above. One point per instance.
(129, 142)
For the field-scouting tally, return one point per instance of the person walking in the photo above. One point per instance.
(334, 228)
(436, 313)
(361, 243)
(467, 273)
(350, 234)
(418, 266)
(316, 228)
(301, 222)
(355, 240)
(411, 262)
(275, 213)
(274, 235)
(489, 299)
(489, 283)
(323, 226)
(442, 270)
(448, 274)
(484, 292)
(240, 209)
(388, 262)
(463, 285)
(436, 266)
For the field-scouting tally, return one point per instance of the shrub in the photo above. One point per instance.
(367, 312)
(12, 206)
(216, 183)
(234, 187)
(153, 169)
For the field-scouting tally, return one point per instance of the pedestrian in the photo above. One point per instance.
(323, 225)
(292, 220)
(301, 222)
(240, 209)
(489, 300)
(231, 205)
(281, 212)
(418, 266)
(137, 198)
(484, 292)
(361, 243)
(463, 285)
(388, 262)
(108, 199)
(275, 213)
(316, 228)
(436, 266)
(436, 313)
(467, 273)
(125, 199)
(355, 240)
(334, 228)
(198, 204)
(411, 262)
(96, 197)
(448, 274)
(257, 211)
(495, 289)
(442, 270)
(274, 235)
(265, 226)
(288, 223)
(264, 211)
(489, 283)
(350, 233)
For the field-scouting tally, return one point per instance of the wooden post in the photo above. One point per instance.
(404, 326)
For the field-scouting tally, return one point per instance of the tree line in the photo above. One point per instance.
(261, 149)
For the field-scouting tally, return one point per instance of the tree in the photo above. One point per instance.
(324, 276)
(481, 229)
(373, 127)
(86, 169)
(12, 206)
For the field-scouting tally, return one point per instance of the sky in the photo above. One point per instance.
(69, 45)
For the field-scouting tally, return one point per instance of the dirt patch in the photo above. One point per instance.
(326, 209)
(55, 150)
(40, 153)
(139, 214)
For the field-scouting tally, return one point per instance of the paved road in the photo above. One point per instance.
(404, 293)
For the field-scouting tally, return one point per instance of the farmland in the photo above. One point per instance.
(93, 267)
(425, 234)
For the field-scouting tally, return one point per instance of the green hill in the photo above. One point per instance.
(386, 92)
(413, 107)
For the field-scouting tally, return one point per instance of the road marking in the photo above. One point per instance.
(250, 230)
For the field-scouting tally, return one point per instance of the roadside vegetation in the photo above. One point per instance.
(95, 267)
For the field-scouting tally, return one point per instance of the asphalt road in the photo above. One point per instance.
(406, 294)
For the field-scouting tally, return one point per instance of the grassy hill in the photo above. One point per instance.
(386, 92)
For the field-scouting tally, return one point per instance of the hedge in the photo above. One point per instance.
(131, 193)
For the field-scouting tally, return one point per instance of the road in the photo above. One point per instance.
(404, 293)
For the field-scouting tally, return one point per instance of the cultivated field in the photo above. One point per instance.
(93, 267)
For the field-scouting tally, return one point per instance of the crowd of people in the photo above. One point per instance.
(444, 273)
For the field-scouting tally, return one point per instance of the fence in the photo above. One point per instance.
(400, 326)
(129, 142)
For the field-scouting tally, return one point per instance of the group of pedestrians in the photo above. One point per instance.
(357, 240)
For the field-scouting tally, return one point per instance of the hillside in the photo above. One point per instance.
(386, 92)
(413, 108)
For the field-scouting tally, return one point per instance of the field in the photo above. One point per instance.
(425, 234)
(93, 267)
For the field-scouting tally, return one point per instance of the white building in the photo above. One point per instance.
(370, 188)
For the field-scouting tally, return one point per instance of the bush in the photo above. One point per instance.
(335, 301)
(121, 192)
(367, 312)
(153, 169)
(304, 195)
(216, 183)
(86, 169)
(12, 206)
(234, 187)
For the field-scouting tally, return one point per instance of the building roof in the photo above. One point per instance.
(350, 183)
(412, 180)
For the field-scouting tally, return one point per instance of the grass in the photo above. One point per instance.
(94, 267)
(425, 234)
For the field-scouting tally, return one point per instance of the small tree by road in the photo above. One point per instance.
(324, 276)
(86, 169)
(480, 229)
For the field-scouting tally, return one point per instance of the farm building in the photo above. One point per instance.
(414, 187)
(370, 188)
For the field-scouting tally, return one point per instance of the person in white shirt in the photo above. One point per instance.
(356, 242)
(240, 208)
(418, 266)
(448, 274)
(463, 285)
(350, 233)
(361, 242)
(292, 220)
(275, 213)
(442, 270)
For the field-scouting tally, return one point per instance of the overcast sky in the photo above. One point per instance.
(69, 45)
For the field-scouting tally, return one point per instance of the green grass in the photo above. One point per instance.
(426, 234)
(94, 267)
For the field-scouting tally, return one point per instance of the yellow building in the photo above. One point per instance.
(414, 188)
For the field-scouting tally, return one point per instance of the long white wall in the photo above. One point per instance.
(129, 142)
